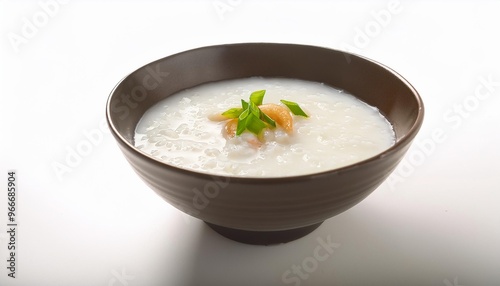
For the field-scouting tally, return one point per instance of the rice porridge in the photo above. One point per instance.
(187, 130)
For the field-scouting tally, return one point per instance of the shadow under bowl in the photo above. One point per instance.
(264, 210)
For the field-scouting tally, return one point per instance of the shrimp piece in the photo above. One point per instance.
(279, 114)
(254, 143)
(276, 112)
(229, 130)
(217, 117)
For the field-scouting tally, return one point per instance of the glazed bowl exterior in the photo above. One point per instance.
(265, 204)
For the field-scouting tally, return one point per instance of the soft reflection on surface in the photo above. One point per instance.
(375, 245)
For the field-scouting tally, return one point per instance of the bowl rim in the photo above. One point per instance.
(406, 139)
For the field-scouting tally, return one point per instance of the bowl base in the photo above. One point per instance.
(263, 237)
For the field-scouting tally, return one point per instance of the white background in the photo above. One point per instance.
(436, 221)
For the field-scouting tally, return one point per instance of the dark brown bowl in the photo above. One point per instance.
(265, 210)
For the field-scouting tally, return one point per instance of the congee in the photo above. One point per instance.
(262, 127)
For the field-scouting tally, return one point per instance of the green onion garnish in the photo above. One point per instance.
(294, 108)
(251, 118)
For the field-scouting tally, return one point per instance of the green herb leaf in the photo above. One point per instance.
(254, 109)
(294, 108)
(254, 124)
(251, 118)
(242, 126)
(257, 97)
(244, 104)
(267, 119)
(242, 122)
(232, 113)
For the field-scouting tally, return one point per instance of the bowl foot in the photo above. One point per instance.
(263, 237)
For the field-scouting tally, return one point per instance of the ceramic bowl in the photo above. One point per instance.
(265, 210)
